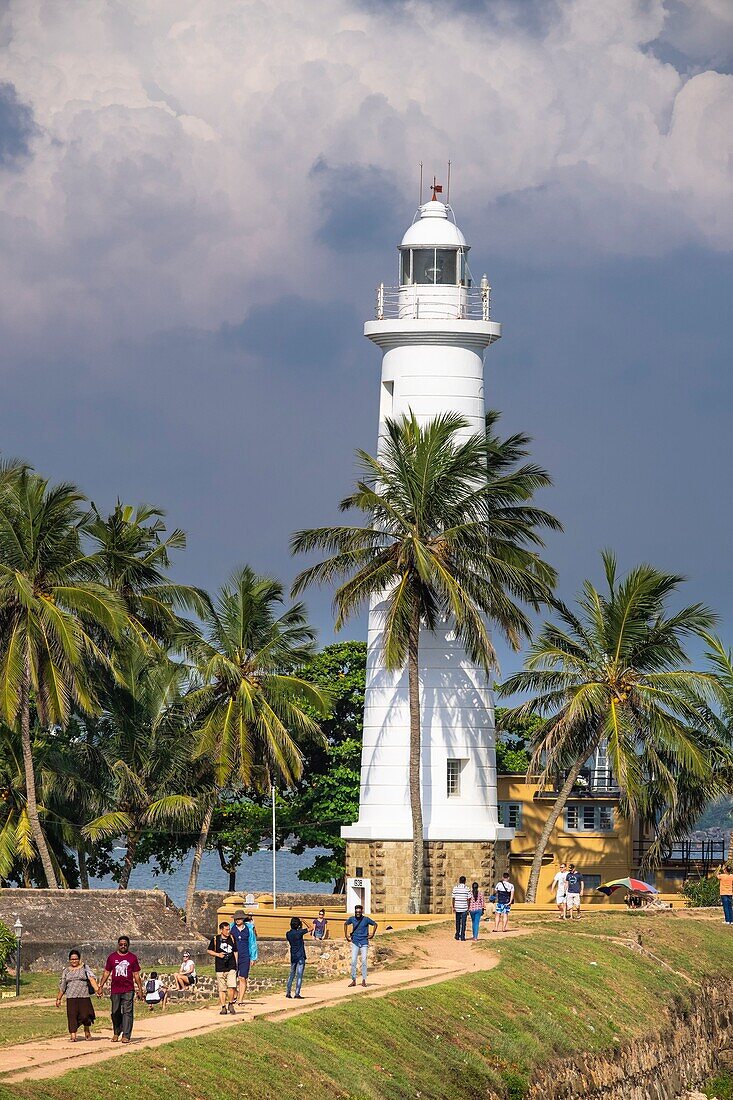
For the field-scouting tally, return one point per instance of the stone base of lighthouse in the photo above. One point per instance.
(386, 863)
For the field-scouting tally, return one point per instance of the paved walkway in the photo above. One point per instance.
(435, 956)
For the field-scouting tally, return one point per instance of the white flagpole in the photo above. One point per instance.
(274, 858)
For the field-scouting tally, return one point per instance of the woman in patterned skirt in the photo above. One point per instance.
(76, 980)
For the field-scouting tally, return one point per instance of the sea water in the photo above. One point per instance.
(253, 875)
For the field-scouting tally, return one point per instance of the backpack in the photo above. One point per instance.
(151, 986)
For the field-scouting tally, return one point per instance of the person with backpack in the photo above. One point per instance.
(504, 891)
(244, 936)
(155, 992)
(223, 950)
(359, 931)
(574, 887)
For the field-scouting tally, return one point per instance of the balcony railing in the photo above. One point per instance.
(690, 856)
(425, 302)
(591, 783)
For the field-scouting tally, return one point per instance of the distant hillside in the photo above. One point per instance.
(719, 815)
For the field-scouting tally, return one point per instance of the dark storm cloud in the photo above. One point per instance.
(348, 195)
(248, 433)
(16, 127)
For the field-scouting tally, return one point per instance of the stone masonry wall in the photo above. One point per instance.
(387, 864)
(692, 1041)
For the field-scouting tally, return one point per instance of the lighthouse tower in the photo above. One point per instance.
(433, 329)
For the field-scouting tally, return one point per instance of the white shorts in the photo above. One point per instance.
(561, 899)
(573, 901)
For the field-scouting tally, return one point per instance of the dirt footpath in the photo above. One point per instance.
(431, 957)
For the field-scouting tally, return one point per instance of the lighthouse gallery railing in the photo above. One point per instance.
(419, 300)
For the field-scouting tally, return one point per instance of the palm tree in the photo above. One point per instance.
(147, 759)
(449, 533)
(133, 553)
(248, 708)
(614, 672)
(54, 617)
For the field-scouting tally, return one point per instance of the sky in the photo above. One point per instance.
(198, 198)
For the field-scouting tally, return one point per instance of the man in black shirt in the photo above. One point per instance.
(223, 950)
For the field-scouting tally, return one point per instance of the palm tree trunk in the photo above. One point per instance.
(39, 838)
(414, 904)
(557, 809)
(229, 867)
(133, 839)
(196, 861)
(81, 856)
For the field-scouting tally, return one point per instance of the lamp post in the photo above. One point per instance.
(18, 929)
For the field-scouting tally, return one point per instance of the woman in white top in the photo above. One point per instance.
(559, 885)
(186, 975)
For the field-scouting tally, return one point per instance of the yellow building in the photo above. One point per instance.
(592, 833)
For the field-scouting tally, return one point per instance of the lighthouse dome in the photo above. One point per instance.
(433, 227)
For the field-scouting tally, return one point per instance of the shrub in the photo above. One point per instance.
(7, 947)
(703, 892)
(721, 1086)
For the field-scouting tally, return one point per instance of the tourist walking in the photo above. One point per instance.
(223, 950)
(476, 908)
(155, 992)
(77, 983)
(575, 886)
(504, 897)
(123, 967)
(725, 884)
(186, 976)
(243, 935)
(359, 931)
(298, 930)
(460, 898)
(559, 885)
(320, 926)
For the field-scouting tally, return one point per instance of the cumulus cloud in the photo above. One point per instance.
(193, 160)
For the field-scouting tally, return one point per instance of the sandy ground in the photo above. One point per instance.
(433, 957)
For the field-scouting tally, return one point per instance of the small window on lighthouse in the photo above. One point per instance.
(454, 778)
(405, 268)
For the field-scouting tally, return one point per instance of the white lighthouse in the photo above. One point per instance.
(433, 329)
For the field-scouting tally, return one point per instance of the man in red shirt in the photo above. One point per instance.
(124, 969)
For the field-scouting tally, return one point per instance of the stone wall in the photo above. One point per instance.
(66, 916)
(387, 864)
(54, 921)
(693, 1040)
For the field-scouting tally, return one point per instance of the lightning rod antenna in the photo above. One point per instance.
(447, 190)
(419, 201)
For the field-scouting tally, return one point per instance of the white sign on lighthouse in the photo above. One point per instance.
(433, 330)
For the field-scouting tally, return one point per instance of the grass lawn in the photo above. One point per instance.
(44, 984)
(557, 991)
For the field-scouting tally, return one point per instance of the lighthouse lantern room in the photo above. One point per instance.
(433, 329)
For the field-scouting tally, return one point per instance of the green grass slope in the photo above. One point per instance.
(556, 992)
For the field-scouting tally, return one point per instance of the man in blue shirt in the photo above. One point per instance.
(240, 934)
(359, 931)
(298, 929)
